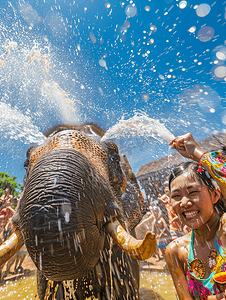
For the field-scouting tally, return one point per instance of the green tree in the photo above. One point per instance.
(9, 182)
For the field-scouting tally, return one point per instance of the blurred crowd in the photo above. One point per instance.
(163, 221)
(8, 204)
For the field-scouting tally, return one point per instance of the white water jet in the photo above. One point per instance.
(140, 125)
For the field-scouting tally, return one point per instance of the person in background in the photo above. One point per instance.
(195, 258)
(5, 214)
(6, 197)
(146, 224)
(161, 231)
(175, 226)
(18, 258)
(150, 222)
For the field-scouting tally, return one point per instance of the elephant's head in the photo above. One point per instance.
(70, 203)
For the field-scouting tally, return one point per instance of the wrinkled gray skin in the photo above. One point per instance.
(62, 215)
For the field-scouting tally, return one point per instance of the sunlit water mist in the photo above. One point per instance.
(15, 125)
(40, 86)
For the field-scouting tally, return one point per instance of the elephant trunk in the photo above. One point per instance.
(61, 214)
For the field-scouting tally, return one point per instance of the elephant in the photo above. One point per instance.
(72, 219)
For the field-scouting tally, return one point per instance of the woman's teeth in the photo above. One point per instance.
(190, 214)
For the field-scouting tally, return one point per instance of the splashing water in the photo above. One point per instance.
(17, 126)
(140, 125)
(140, 138)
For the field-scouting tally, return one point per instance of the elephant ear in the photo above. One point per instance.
(117, 177)
(124, 183)
(27, 161)
(133, 203)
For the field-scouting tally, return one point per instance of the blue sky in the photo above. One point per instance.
(105, 61)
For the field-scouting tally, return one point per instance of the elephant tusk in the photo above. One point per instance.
(10, 246)
(137, 249)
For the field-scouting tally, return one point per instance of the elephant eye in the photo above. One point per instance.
(26, 164)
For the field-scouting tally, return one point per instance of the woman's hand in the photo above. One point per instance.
(187, 146)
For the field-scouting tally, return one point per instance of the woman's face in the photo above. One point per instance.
(192, 201)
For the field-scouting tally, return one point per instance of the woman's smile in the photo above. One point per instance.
(189, 215)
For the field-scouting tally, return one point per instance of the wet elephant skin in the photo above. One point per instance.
(68, 198)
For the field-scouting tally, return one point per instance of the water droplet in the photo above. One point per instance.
(102, 63)
(182, 4)
(192, 29)
(145, 97)
(92, 37)
(59, 225)
(220, 71)
(212, 110)
(221, 55)
(130, 10)
(67, 216)
(203, 10)
(107, 5)
(40, 260)
(75, 242)
(205, 34)
(127, 24)
(201, 219)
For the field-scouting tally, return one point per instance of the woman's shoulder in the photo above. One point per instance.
(223, 218)
(180, 246)
(222, 223)
(222, 226)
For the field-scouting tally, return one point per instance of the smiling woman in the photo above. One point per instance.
(197, 257)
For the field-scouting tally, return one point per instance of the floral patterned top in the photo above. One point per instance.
(199, 287)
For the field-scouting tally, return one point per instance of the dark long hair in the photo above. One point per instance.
(203, 177)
